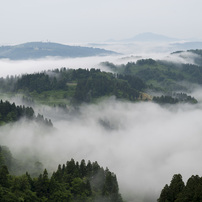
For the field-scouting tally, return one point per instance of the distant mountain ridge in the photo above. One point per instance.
(36, 50)
(147, 37)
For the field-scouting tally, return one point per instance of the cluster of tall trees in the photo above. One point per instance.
(165, 99)
(39, 82)
(178, 191)
(11, 113)
(176, 98)
(72, 182)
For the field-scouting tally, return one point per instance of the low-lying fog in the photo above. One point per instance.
(143, 143)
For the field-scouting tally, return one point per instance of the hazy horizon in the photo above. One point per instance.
(68, 21)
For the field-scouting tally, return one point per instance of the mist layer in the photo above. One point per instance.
(143, 143)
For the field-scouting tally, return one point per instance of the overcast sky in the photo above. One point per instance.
(75, 21)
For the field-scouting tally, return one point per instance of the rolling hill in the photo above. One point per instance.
(36, 50)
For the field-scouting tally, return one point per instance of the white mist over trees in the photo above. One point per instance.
(143, 143)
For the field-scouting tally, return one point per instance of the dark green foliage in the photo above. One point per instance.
(194, 73)
(7, 196)
(176, 98)
(99, 84)
(176, 186)
(5, 157)
(83, 169)
(41, 185)
(110, 188)
(163, 75)
(134, 82)
(146, 62)
(70, 183)
(165, 195)
(178, 192)
(165, 100)
(39, 82)
(183, 97)
(15, 188)
(159, 75)
(192, 190)
(11, 113)
(79, 85)
(88, 181)
(4, 180)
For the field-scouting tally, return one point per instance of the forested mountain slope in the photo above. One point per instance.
(162, 75)
(74, 86)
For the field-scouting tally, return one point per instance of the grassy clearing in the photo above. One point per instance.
(54, 97)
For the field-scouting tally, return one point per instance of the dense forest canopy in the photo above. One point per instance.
(80, 85)
(71, 182)
(178, 191)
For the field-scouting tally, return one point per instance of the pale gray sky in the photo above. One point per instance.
(76, 21)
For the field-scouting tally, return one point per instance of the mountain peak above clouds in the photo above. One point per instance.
(151, 37)
(147, 37)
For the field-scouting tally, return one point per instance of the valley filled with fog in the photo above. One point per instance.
(142, 142)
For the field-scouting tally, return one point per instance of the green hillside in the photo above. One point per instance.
(162, 75)
(70, 86)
